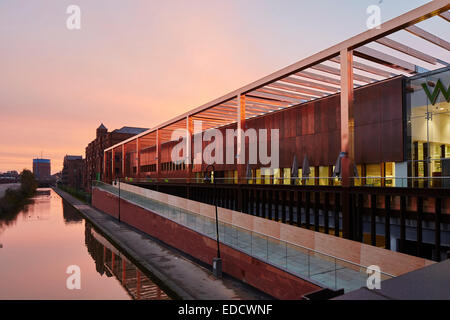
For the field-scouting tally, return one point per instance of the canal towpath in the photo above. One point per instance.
(187, 279)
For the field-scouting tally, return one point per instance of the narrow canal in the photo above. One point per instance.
(40, 243)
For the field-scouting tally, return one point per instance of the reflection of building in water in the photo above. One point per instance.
(110, 261)
(70, 214)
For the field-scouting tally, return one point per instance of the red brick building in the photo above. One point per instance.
(93, 163)
(72, 173)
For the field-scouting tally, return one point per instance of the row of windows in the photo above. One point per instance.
(166, 166)
(374, 174)
(170, 166)
(368, 174)
(148, 168)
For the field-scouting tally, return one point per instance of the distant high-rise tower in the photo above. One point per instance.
(41, 169)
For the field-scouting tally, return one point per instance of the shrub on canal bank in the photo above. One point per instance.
(15, 199)
(77, 193)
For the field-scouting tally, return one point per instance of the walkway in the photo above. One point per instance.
(322, 269)
(185, 278)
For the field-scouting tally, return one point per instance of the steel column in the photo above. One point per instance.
(347, 134)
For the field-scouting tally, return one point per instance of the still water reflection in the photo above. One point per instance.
(41, 241)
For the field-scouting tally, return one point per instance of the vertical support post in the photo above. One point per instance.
(387, 221)
(104, 166)
(316, 211)
(241, 139)
(299, 208)
(138, 158)
(373, 222)
(283, 205)
(138, 284)
(347, 134)
(188, 158)
(336, 213)
(264, 202)
(419, 225)
(158, 153)
(124, 272)
(437, 227)
(113, 164)
(123, 160)
(277, 204)
(326, 208)
(307, 209)
(360, 216)
(113, 260)
(402, 223)
(291, 206)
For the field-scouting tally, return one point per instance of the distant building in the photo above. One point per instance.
(41, 169)
(9, 177)
(72, 173)
(93, 169)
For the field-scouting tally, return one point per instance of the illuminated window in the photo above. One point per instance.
(258, 176)
(287, 175)
(390, 174)
(276, 176)
(323, 175)
(311, 181)
(267, 175)
(373, 174)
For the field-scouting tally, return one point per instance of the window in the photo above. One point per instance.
(373, 174)
(276, 176)
(428, 128)
(258, 176)
(287, 175)
(323, 175)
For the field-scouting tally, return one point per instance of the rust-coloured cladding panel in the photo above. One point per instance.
(313, 129)
(378, 112)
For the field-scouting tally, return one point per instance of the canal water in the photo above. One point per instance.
(40, 243)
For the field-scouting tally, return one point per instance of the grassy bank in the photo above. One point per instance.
(79, 194)
(14, 200)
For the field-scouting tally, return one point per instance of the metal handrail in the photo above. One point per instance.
(264, 235)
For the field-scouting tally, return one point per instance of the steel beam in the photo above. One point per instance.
(406, 20)
(288, 87)
(445, 16)
(367, 68)
(309, 84)
(285, 94)
(318, 77)
(269, 99)
(406, 50)
(418, 32)
(337, 72)
(385, 59)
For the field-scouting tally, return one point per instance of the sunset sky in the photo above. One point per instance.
(139, 63)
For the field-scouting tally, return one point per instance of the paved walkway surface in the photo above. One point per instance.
(184, 277)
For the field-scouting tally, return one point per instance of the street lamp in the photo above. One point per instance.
(217, 262)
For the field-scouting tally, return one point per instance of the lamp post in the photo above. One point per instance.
(217, 262)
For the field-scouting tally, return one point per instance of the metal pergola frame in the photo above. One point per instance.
(336, 70)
